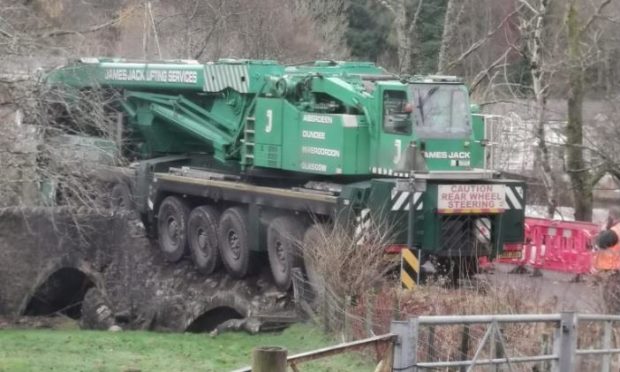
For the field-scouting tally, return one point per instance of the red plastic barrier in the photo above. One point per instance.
(564, 246)
(484, 263)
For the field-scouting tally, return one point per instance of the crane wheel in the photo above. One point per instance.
(203, 239)
(284, 236)
(233, 238)
(172, 228)
(314, 237)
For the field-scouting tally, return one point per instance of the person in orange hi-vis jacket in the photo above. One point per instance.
(608, 257)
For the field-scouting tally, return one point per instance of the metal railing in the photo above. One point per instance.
(561, 358)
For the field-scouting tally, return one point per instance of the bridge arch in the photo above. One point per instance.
(209, 320)
(62, 292)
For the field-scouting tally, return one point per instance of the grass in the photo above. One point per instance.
(76, 350)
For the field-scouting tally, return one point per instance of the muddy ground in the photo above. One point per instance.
(565, 291)
(102, 271)
(38, 322)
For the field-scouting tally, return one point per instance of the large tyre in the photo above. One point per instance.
(234, 247)
(172, 228)
(284, 239)
(203, 239)
(313, 237)
(120, 197)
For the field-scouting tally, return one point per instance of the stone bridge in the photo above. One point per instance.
(103, 270)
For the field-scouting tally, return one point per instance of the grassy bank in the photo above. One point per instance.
(75, 350)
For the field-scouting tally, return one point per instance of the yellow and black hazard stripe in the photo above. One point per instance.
(409, 268)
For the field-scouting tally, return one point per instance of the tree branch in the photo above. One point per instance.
(596, 15)
(482, 74)
(95, 28)
(415, 17)
(388, 6)
(609, 19)
(2, 32)
(603, 169)
(528, 5)
(482, 41)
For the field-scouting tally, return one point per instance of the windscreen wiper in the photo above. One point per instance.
(421, 101)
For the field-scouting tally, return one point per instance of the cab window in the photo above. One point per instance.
(441, 110)
(396, 112)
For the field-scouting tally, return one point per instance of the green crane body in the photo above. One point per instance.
(347, 118)
(347, 122)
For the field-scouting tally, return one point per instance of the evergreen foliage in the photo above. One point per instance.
(429, 29)
(369, 30)
(370, 35)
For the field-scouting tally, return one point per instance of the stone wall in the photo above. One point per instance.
(35, 242)
(130, 277)
(18, 157)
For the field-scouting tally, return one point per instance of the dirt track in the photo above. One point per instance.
(558, 288)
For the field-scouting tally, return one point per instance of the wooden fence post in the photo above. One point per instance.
(498, 349)
(464, 345)
(346, 327)
(326, 310)
(546, 350)
(387, 362)
(369, 314)
(431, 344)
(269, 359)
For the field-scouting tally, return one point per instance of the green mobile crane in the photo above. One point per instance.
(244, 156)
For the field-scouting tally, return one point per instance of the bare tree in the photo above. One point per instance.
(39, 154)
(477, 40)
(292, 39)
(533, 21)
(581, 177)
(330, 19)
(404, 26)
(26, 30)
(343, 264)
(452, 18)
(74, 134)
(544, 43)
(189, 28)
(213, 29)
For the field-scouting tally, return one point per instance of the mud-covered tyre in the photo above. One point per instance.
(284, 239)
(313, 238)
(203, 240)
(233, 239)
(172, 228)
(120, 197)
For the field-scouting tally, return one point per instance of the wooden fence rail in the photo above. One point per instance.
(384, 366)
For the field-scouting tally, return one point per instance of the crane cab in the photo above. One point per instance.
(427, 120)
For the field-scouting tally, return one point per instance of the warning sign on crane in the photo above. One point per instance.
(463, 198)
